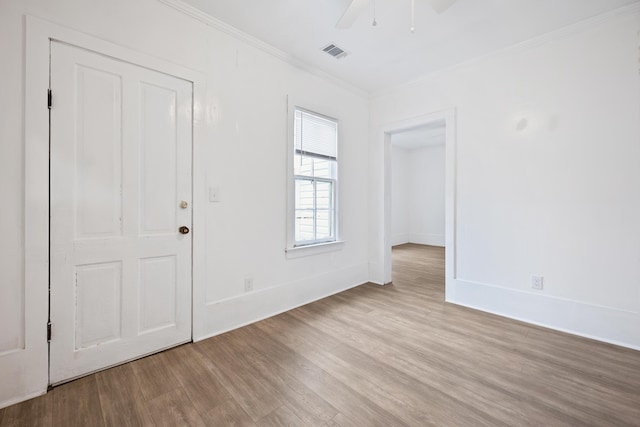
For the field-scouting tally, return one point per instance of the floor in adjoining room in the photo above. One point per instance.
(371, 356)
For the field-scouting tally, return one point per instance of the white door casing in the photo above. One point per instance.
(121, 141)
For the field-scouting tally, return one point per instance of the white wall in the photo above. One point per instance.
(426, 209)
(417, 195)
(558, 197)
(245, 121)
(400, 195)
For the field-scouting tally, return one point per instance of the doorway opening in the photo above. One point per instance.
(417, 206)
(418, 185)
(419, 191)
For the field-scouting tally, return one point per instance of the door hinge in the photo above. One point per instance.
(48, 331)
(49, 98)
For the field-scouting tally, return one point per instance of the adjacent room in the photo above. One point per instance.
(330, 213)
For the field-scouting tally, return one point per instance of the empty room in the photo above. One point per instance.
(320, 213)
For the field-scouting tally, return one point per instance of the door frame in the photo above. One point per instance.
(449, 117)
(39, 34)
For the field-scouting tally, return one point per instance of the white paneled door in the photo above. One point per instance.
(120, 211)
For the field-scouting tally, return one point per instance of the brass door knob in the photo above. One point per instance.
(184, 229)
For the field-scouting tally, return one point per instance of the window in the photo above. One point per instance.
(315, 170)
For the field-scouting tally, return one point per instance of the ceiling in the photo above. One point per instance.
(423, 136)
(389, 54)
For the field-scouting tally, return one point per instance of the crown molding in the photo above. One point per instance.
(569, 30)
(219, 25)
(214, 22)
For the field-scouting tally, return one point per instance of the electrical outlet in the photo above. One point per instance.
(536, 282)
(214, 194)
(248, 284)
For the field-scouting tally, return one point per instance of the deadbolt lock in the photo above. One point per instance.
(184, 204)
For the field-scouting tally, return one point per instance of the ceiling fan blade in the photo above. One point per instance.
(441, 5)
(352, 13)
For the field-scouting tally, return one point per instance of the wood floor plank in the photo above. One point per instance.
(154, 377)
(341, 420)
(121, 398)
(340, 395)
(335, 325)
(255, 396)
(595, 398)
(301, 400)
(35, 412)
(228, 413)
(174, 409)
(391, 389)
(200, 384)
(281, 417)
(418, 365)
(77, 403)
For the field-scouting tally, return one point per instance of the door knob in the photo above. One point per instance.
(184, 229)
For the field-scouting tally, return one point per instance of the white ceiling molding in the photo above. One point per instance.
(564, 32)
(214, 22)
(217, 24)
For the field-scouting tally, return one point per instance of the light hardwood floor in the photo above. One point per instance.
(372, 356)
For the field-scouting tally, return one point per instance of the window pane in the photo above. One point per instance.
(304, 194)
(322, 168)
(314, 167)
(324, 196)
(324, 226)
(303, 165)
(304, 225)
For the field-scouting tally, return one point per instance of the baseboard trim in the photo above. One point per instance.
(427, 239)
(236, 312)
(606, 324)
(399, 239)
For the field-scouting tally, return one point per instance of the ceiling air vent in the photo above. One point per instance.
(334, 51)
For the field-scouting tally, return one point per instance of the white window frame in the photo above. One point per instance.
(295, 249)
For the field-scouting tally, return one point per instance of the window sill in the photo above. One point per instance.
(320, 248)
